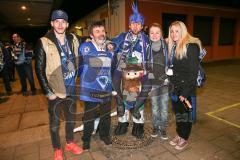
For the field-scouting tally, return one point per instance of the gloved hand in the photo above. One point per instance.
(136, 113)
(120, 110)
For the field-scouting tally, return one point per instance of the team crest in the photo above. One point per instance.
(86, 49)
(103, 81)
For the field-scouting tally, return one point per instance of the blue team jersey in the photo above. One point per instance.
(95, 78)
(129, 45)
(138, 48)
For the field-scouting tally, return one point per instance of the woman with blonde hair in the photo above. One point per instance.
(184, 60)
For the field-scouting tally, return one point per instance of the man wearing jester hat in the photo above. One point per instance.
(130, 76)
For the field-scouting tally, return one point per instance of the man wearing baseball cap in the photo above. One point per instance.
(59, 14)
(56, 67)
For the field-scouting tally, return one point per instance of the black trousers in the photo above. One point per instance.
(6, 79)
(183, 119)
(11, 71)
(92, 110)
(67, 106)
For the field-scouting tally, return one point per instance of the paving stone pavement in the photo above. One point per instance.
(24, 127)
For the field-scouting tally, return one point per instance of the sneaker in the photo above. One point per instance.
(154, 132)
(175, 140)
(107, 140)
(182, 143)
(58, 154)
(74, 148)
(163, 134)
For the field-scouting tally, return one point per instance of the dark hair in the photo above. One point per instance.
(18, 35)
(95, 24)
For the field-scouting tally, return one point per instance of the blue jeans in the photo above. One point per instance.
(159, 105)
(25, 72)
(194, 108)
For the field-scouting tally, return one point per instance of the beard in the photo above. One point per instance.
(101, 40)
(135, 31)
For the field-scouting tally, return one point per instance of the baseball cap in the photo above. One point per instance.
(59, 14)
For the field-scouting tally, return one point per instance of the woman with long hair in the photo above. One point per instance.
(184, 52)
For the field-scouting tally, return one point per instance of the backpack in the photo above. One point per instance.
(201, 78)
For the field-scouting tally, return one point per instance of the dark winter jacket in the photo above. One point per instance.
(185, 72)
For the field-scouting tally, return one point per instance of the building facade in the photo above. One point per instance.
(217, 27)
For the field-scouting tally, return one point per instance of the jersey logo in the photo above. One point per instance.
(103, 81)
(86, 49)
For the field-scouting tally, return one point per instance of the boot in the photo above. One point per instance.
(139, 133)
(107, 140)
(134, 129)
(120, 110)
(86, 143)
(136, 113)
(121, 128)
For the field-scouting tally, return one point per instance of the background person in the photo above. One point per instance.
(23, 66)
(4, 69)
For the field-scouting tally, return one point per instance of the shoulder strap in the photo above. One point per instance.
(165, 51)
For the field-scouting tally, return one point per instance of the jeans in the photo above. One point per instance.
(159, 107)
(25, 72)
(194, 108)
(93, 110)
(55, 107)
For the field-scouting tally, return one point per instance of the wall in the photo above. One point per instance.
(153, 10)
(117, 19)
